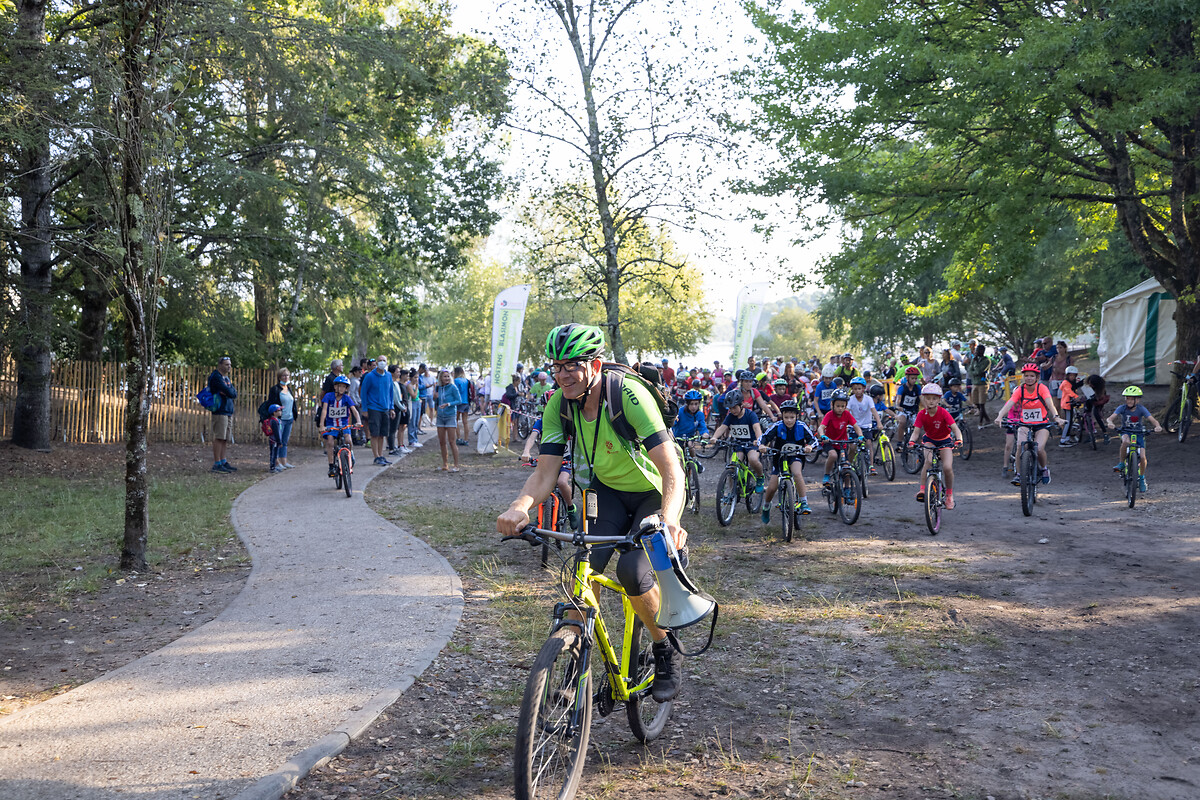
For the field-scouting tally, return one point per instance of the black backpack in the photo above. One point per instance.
(612, 376)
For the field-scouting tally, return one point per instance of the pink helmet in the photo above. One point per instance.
(931, 388)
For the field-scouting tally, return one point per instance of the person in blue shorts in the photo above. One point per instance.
(337, 408)
(1134, 415)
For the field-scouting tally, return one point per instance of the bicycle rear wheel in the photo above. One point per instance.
(693, 488)
(646, 717)
(344, 468)
(726, 497)
(1029, 476)
(888, 456)
(787, 507)
(911, 458)
(850, 496)
(1185, 419)
(862, 463)
(1087, 430)
(968, 444)
(933, 504)
(555, 721)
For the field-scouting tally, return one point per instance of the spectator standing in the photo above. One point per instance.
(1058, 366)
(424, 382)
(356, 374)
(1043, 356)
(846, 370)
(398, 425)
(377, 396)
(447, 401)
(221, 386)
(950, 368)
(978, 368)
(414, 407)
(281, 395)
(668, 374)
(464, 406)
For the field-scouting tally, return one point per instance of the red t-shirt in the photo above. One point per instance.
(838, 426)
(936, 425)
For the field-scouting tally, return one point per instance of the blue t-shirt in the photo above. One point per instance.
(821, 392)
(463, 393)
(1132, 417)
(954, 403)
(338, 413)
(908, 398)
(423, 384)
(690, 424)
(376, 391)
(741, 429)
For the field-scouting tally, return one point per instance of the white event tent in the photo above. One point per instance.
(1137, 335)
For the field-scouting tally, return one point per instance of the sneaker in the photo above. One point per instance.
(393, 451)
(872, 471)
(1119, 467)
(228, 467)
(378, 462)
(1004, 473)
(418, 444)
(219, 468)
(275, 470)
(1066, 444)
(700, 468)
(289, 466)
(332, 471)
(1142, 483)
(949, 502)
(1106, 438)
(804, 509)
(758, 486)
(383, 462)
(825, 480)
(405, 450)
(667, 675)
(1016, 480)
(1045, 475)
(766, 516)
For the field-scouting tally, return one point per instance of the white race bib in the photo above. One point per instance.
(741, 432)
(1032, 416)
(791, 448)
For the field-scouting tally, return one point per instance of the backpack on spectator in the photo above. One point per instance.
(263, 413)
(267, 428)
(612, 375)
(207, 399)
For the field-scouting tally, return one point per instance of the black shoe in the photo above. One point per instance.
(332, 471)
(667, 674)
(228, 467)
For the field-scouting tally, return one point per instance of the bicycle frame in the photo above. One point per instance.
(745, 476)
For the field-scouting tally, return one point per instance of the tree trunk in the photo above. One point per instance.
(139, 377)
(93, 315)
(31, 416)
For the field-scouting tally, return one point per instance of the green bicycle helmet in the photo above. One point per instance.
(1132, 391)
(572, 342)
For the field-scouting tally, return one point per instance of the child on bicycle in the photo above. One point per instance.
(1070, 399)
(744, 429)
(836, 426)
(336, 409)
(954, 400)
(1133, 415)
(1034, 406)
(939, 432)
(867, 416)
(791, 438)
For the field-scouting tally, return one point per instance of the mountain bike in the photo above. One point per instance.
(343, 459)
(691, 473)
(885, 456)
(1083, 422)
(843, 493)
(1131, 470)
(1178, 419)
(1028, 472)
(737, 482)
(554, 725)
(526, 412)
(862, 465)
(935, 493)
(786, 502)
(964, 450)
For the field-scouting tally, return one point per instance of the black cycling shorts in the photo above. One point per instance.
(620, 513)
(378, 422)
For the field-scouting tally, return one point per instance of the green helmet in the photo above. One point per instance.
(573, 341)
(1132, 391)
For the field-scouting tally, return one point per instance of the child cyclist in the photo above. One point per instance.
(744, 430)
(954, 400)
(690, 423)
(336, 409)
(1133, 415)
(939, 431)
(836, 426)
(1034, 406)
(791, 438)
(865, 414)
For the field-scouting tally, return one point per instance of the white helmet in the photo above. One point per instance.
(828, 371)
(931, 388)
(1072, 370)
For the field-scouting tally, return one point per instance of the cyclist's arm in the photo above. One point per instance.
(756, 431)
(663, 457)
(1112, 420)
(1007, 407)
(1157, 426)
(537, 488)
(321, 414)
(720, 432)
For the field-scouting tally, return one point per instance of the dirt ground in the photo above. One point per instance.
(57, 643)
(1008, 657)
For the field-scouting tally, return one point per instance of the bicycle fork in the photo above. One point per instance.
(586, 629)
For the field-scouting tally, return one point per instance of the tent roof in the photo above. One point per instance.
(1148, 286)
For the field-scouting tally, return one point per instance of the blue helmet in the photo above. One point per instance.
(692, 394)
(341, 379)
(858, 381)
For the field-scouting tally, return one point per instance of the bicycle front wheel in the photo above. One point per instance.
(888, 456)
(555, 721)
(1131, 476)
(850, 500)
(911, 458)
(1029, 474)
(862, 463)
(933, 504)
(727, 497)
(968, 444)
(646, 717)
(344, 468)
(693, 488)
(787, 508)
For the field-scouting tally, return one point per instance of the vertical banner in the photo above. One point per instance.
(508, 317)
(745, 323)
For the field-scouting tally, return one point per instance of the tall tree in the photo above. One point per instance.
(1007, 104)
(634, 120)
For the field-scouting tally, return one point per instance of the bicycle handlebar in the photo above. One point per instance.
(536, 536)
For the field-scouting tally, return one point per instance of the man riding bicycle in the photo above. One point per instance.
(631, 480)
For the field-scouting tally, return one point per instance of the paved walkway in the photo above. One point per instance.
(341, 612)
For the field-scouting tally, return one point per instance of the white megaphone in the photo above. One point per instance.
(681, 604)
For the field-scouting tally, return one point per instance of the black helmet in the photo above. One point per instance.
(839, 394)
(733, 398)
(745, 375)
(877, 390)
(789, 405)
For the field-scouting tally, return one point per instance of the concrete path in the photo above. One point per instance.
(341, 612)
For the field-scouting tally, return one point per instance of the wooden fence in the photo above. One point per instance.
(87, 403)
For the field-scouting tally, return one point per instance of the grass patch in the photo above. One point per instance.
(69, 541)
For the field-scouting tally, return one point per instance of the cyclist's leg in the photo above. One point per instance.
(926, 463)
(755, 463)
(330, 440)
(1043, 436)
(772, 487)
(617, 513)
(830, 459)
(1010, 439)
(947, 455)
(795, 466)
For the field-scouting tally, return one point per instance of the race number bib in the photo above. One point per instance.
(1032, 416)
(825, 393)
(741, 432)
(791, 449)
